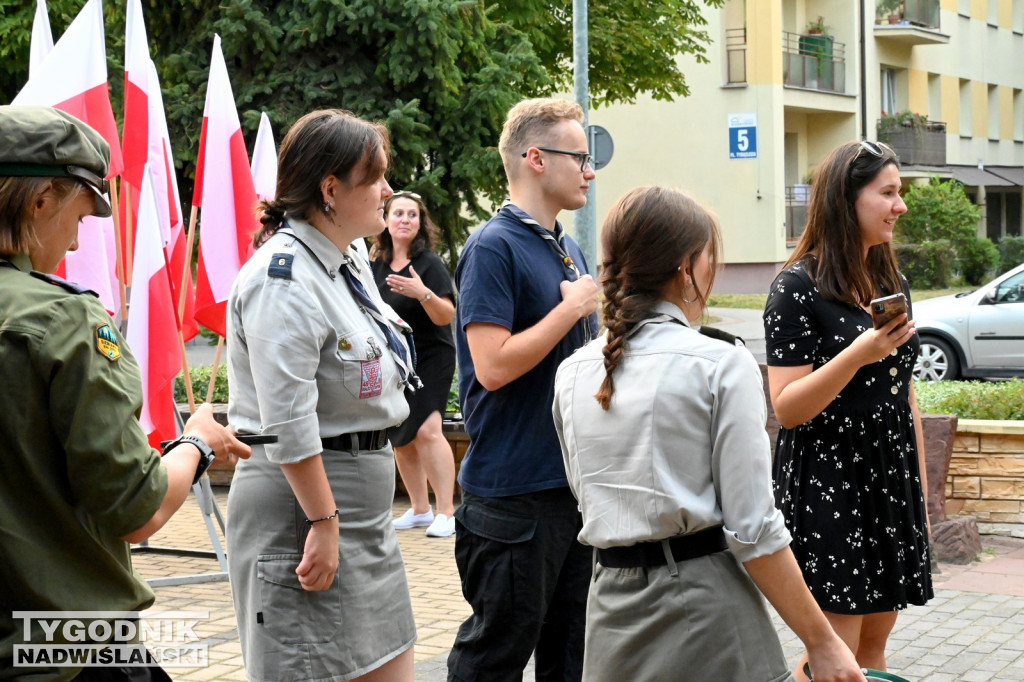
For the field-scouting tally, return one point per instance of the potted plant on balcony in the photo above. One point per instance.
(890, 10)
(817, 43)
(916, 139)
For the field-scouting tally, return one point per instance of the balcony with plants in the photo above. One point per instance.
(910, 22)
(813, 59)
(917, 141)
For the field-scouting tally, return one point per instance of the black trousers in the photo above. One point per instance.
(526, 577)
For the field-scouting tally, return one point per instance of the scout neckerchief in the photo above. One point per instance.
(557, 243)
(406, 367)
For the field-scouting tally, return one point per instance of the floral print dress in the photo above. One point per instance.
(848, 480)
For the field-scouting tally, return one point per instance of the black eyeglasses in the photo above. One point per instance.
(583, 157)
(875, 148)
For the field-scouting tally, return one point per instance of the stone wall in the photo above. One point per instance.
(986, 475)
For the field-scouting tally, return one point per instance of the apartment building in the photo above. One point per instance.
(788, 81)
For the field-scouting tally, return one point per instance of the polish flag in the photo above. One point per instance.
(136, 137)
(165, 184)
(73, 78)
(264, 161)
(224, 179)
(151, 325)
(42, 38)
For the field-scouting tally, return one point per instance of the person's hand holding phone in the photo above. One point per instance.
(894, 331)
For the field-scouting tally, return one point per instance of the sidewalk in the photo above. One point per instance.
(971, 631)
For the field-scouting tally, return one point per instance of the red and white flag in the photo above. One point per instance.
(136, 134)
(152, 325)
(42, 38)
(73, 78)
(225, 194)
(264, 161)
(165, 186)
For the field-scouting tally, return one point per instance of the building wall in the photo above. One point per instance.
(973, 83)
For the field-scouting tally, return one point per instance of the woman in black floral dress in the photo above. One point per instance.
(849, 464)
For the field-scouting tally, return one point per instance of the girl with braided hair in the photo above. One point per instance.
(662, 434)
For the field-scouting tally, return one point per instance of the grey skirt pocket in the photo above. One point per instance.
(290, 614)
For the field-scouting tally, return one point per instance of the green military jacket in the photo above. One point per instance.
(76, 470)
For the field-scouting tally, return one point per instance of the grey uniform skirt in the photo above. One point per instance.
(708, 622)
(364, 619)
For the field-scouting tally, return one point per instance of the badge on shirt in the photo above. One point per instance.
(107, 343)
(344, 344)
(373, 379)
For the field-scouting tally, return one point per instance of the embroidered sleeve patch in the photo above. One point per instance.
(281, 265)
(107, 343)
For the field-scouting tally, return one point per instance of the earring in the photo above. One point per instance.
(687, 300)
(327, 208)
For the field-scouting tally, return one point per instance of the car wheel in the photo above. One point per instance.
(936, 361)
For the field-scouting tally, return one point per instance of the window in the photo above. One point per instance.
(1018, 114)
(888, 78)
(966, 121)
(993, 112)
(935, 97)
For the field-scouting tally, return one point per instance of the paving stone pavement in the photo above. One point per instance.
(973, 631)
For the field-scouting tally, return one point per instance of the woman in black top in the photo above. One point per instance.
(415, 282)
(849, 464)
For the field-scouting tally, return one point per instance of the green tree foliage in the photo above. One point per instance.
(440, 73)
(940, 210)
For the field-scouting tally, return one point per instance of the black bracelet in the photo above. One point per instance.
(310, 522)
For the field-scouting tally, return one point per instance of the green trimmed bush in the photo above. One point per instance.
(200, 383)
(972, 399)
(926, 265)
(1011, 253)
(978, 260)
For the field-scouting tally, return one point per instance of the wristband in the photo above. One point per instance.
(310, 522)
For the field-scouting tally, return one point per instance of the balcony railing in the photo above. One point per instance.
(920, 145)
(816, 62)
(736, 55)
(797, 199)
(922, 13)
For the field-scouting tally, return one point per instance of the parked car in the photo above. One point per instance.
(973, 334)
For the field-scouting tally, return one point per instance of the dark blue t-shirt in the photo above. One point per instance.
(509, 275)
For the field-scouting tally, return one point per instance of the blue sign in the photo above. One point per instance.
(743, 136)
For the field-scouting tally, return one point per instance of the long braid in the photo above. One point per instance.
(646, 237)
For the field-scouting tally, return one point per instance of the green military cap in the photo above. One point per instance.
(49, 143)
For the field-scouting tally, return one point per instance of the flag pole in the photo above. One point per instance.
(128, 236)
(189, 241)
(187, 374)
(213, 370)
(119, 252)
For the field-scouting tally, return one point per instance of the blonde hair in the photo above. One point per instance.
(18, 196)
(529, 123)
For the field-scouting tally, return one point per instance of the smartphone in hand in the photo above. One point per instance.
(884, 309)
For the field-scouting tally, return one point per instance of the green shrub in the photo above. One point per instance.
(972, 399)
(926, 265)
(200, 383)
(978, 260)
(1011, 253)
(453, 395)
(941, 210)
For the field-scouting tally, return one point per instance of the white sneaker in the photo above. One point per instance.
(410, 519)
(442, 527)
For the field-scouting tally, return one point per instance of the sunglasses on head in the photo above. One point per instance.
(878, 149)
(404, 193)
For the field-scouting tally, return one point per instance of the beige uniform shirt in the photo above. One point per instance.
(304, 360)
(682, 448)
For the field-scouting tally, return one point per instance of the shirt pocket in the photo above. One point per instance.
(360, 362)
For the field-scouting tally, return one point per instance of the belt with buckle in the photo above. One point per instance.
(362, 440)
(650, 554)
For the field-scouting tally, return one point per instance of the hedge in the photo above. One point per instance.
(200, 382)
(927, 265)
(972, 399)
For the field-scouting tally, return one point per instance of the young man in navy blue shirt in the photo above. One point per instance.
(526, 303)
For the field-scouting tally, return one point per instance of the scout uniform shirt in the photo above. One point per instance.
(76, 470)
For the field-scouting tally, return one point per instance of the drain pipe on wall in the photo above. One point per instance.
(863, 74)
